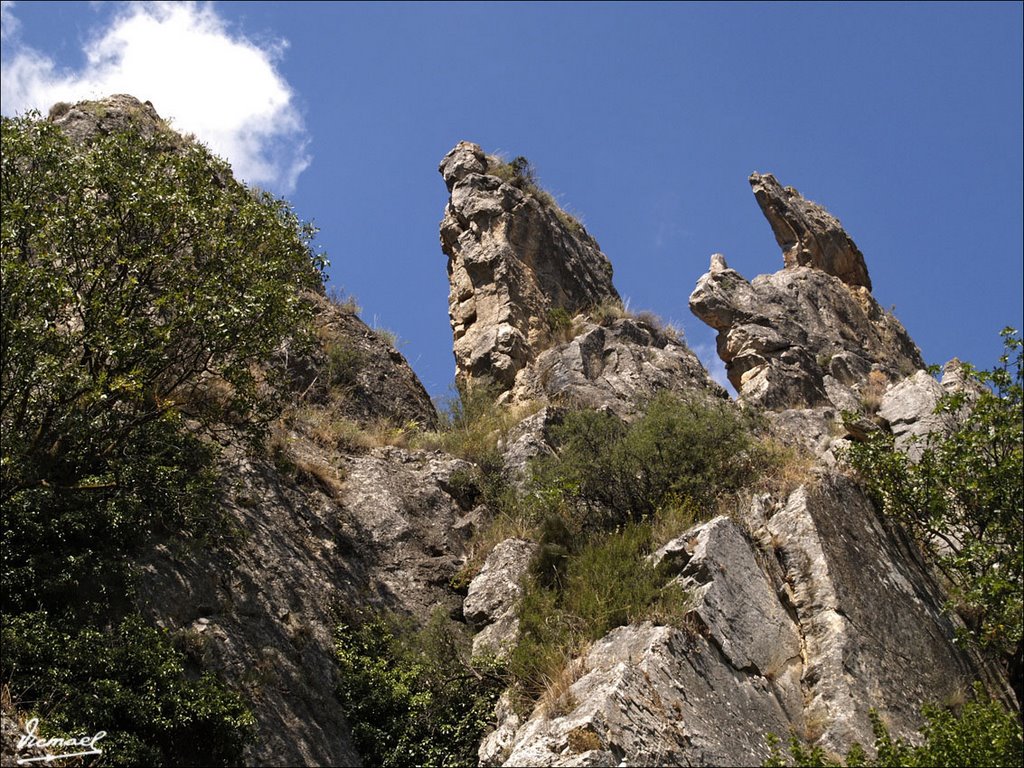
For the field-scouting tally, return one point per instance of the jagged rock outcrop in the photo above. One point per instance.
(513, 257)
(802, 617)
(375, 378)
(806, 609)
(114, 114)
(808, 234)
(261, 609)
(616, 366)
(493, 597)
(810, 334)
(517, 264)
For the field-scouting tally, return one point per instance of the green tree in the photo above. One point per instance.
(409, 694)
(135, 272)
(964, 498)
(146, 298)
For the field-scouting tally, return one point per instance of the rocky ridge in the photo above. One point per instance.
(806, 608)
(805, 605)
(513, 259)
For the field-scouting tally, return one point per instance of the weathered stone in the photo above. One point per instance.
(737, 603)
(496, 745)
(513, 258)
(782, 334)
(528, 440)
(265, 603)
(874, 632)
(808, 234)
(650, 695)
(909, 409)
(113, 114)
(377, 382)
(617, 366)
(493, 598)
(496, 588)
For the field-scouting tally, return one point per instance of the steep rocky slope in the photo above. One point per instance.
(806, 606)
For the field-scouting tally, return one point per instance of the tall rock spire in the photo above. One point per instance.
(513, 257)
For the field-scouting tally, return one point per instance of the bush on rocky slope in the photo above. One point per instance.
(144, 293)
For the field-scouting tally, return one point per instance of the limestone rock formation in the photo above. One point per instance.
(262, 606)
(806, 607)
(376, 379)
(810, 334)
(513, 258)
(617, 366)
(493, 597)
(113, 114)
(808, 234)
(525, 281)
(800, 615)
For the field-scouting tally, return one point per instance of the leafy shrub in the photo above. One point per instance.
(130, 682)
(409, 695)
(66, 546)
(983, 733)
(597, 586)
(964, 499)
(682, 448)
(140, 283)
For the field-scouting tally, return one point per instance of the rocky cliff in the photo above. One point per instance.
(805, 606)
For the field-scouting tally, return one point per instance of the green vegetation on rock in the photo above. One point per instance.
(409, 695)
(964, 499)
(611, 494)
(144, 296)
(983, 733)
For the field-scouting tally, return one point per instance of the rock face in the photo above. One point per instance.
(513, 258)
(810, 334)
(377, 381)
(261, 609)
(114, 114)
(615, 366)
(800, 615)
(808, 234)
(516, 265)
(493, 597)
(805, 608)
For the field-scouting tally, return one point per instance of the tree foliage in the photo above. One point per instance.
(982, 733)
(145, 295)
(683, 449)
(409, 695)
(964, 498)
(135, 274)
(131, 682)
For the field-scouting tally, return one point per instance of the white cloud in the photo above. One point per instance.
(183, 58)
(8, 24)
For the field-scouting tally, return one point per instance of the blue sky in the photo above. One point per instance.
(904, 120)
